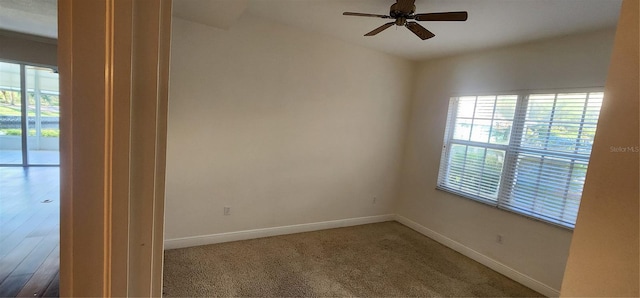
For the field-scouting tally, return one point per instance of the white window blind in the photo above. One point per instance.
(527, 153)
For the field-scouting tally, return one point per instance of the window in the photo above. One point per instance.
(29, 115)
(527, 153)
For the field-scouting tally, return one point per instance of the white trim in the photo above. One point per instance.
(531, 91)
(501, 268)
(273, 231)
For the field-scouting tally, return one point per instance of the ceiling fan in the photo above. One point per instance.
(403, 10)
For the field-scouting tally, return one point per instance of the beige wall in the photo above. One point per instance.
(532, 248)
(285, 127)
(603, 260)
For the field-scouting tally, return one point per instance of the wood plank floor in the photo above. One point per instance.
(29, 231)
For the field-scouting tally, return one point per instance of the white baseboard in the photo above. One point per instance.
(274, 231)
(481, 258)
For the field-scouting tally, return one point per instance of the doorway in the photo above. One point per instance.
(29, 180)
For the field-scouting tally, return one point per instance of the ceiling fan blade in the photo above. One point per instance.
(380, 29)
(420, 31)
(405, 6)
(357, 14)
(442, 16)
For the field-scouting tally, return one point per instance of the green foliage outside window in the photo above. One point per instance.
(47, 133)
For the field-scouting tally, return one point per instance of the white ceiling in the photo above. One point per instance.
(37, 17)
(491, 23)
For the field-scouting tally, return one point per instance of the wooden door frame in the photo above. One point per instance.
(113, 60)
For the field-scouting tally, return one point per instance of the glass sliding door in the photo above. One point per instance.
(10, 114)
(29, 115)
(43, 114)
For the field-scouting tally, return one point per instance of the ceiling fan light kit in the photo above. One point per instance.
(404, 10)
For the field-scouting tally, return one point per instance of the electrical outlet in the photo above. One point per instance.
(499, 239)
(227, 210)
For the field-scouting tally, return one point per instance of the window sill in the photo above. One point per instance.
(494, 204)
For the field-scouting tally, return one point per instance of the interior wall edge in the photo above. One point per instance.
(603, 259)
(414, 69)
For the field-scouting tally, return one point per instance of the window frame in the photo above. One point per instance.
(512, 150)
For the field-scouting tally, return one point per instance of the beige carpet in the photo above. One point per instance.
(376, 260)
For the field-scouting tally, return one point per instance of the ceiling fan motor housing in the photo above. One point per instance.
(394, 12)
